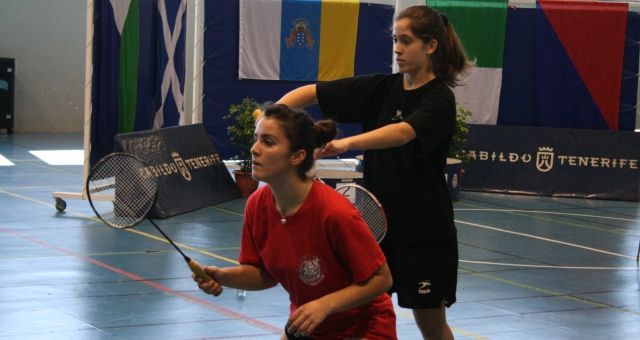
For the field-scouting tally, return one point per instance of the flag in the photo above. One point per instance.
(314, 40)
(481, 26)
(138, 68)
(571, 64)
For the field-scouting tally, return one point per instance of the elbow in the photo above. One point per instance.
(406, 133)
(388, 283)
(387, 280)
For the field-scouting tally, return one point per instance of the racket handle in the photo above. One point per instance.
(197, 269)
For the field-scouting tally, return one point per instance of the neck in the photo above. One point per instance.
(414, 81)
(289, 196)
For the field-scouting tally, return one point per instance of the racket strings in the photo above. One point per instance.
(126, 194)
(369, 208)
(371, 213)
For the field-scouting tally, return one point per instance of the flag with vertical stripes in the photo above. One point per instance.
(315, 39)
(481, 26)
(138, 68)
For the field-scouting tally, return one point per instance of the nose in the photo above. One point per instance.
(397, 48)
(254, 148)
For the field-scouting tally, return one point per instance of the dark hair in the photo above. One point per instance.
(303, 133)
(449, 60)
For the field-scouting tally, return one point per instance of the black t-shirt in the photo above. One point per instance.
(409, 179)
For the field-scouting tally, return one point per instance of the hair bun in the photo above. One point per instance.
(326, 131)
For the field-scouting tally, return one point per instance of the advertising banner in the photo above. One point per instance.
(553, 162)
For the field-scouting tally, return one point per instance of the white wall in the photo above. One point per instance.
(47, 40)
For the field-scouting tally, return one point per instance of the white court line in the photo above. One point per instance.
(545, 239)
(549, 213)
(547, 266)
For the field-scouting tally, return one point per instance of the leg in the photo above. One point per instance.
(432, 323)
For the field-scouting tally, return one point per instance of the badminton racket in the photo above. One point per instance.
(122, 191)
(369, 207)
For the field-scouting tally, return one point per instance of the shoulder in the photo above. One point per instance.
(438, 88)
(259, 197)
(362, 80)
(436, 94)
(332, 200)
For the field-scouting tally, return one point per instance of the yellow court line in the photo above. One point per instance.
(141, 233)
(547, 292)
(33, 200)
(183, 246)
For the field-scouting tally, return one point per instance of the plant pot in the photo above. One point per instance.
(452, 174)
(246, 184)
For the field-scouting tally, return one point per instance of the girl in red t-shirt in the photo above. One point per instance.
(304, 235)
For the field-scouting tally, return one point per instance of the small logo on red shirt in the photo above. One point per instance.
(310, 271)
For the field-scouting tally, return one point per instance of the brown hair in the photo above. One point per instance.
(449, 60)
(303, 133)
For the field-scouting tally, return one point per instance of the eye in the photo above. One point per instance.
(268, 141)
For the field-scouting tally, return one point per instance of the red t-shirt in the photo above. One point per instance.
(324, 247)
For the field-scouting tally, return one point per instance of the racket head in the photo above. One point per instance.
(120, 190)
(369, 207)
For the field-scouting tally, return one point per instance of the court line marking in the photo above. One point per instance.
(544, 239)
(549, 293)
(611, 229)
(513, 283)
(409, 315)
(201, 251)
(161, 239)
(186, 296)
(182, 245)
(549, 213)
(546, 266)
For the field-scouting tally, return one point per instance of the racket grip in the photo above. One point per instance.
(197, 269)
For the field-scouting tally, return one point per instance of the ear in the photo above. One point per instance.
(298, 157)
(432, 46)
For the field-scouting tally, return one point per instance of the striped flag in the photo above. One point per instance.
(536, 64)
(314, 40)
(481, 26)
(138, 68)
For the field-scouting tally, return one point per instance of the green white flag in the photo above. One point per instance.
(481, 27)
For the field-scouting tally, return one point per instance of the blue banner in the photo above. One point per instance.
(553, 162)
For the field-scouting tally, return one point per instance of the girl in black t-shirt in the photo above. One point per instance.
(408, 120)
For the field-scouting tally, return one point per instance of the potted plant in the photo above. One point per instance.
(241, 130)
(457, 153)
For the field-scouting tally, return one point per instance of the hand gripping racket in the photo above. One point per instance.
(122, 191)
(369, 207)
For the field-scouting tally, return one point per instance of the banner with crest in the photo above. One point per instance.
(314, 40)
(558, 162)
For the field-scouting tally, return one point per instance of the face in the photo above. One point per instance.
(271, 154)
(412, 53)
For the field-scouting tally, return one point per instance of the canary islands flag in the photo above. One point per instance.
(314, 39)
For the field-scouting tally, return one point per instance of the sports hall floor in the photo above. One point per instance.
(530, 267)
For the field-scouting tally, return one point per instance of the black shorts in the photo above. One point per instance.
(424, 276)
